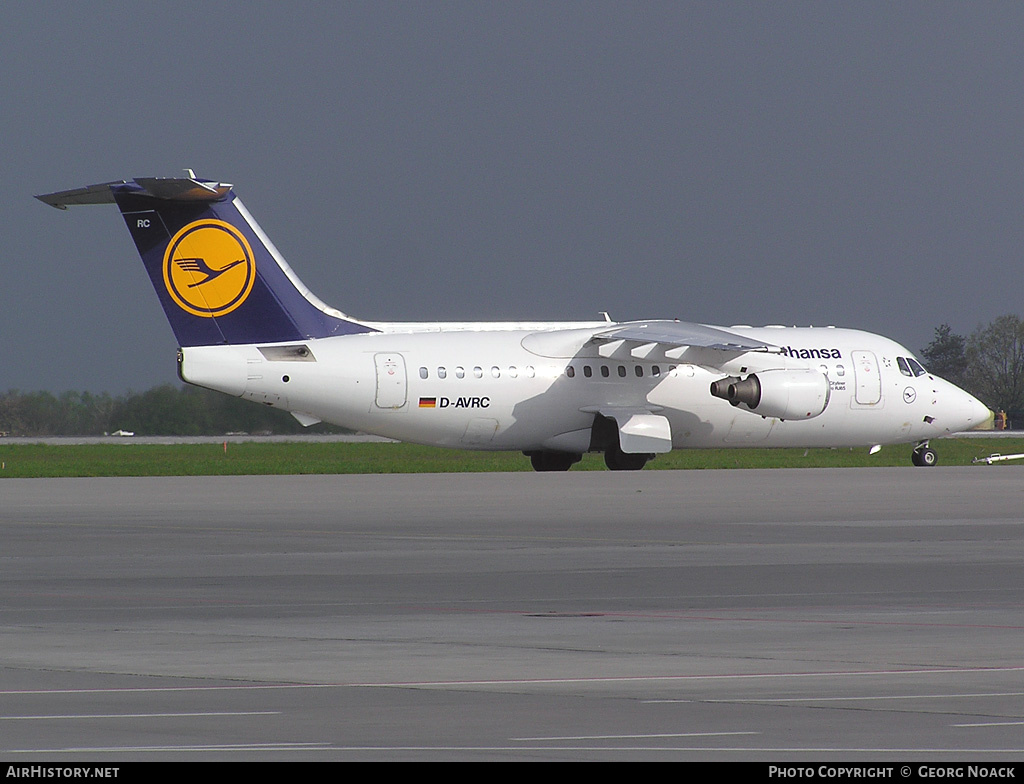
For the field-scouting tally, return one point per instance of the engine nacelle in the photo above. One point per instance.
(784, 394)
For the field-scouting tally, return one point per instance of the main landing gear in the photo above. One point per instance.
(923, 455)
(617, 460)
(552, 461)
(614, 458)
(604, 437)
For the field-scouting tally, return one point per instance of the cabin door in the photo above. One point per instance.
(392, 385)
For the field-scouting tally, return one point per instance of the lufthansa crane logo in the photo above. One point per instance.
(209, 268)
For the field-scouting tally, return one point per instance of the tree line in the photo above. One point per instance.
(166, 410)
(988, 363)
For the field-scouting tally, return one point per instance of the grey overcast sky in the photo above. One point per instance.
(856, 164)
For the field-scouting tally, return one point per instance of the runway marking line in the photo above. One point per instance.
(158, 689)
(524, 681)
(139, 715)
(513, 749)
(851, 699)
(727, 676)
(636, 737)
(282, 746)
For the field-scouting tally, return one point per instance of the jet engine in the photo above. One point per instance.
(784, 394)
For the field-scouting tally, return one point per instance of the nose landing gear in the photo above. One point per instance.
(923, 455)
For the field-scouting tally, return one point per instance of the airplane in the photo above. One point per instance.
(247, 326)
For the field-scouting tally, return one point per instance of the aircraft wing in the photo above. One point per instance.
(682, 334)
(695, 344)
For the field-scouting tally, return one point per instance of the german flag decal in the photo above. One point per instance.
(428, 402)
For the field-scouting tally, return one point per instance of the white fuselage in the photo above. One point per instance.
(538, 386)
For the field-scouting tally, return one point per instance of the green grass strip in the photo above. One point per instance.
(251, 458)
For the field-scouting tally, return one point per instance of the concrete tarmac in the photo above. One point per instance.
(779, 615)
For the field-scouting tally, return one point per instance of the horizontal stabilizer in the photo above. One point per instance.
(165, 188)
(92, 194)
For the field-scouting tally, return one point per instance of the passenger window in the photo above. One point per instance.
(655, 370)
(442, 373)
(496, 372)
(904, 367)
(622, 371)
(530, 372)
(460, 372)
(423, 372)
(588, 371)
(512, 372)
(478, 372)
(639, 371)
(604, 371)
(570, 371)
(840, 370)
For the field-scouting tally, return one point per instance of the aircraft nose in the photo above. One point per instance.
(956, 409)
(972, 412)
(979, 412)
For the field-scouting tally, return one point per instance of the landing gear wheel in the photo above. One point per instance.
(553, 461)
(924, 457)
(617, 460)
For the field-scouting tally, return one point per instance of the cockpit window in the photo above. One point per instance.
(916, 366)
(910, 366)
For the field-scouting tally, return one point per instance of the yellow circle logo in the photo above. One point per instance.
(209, 268)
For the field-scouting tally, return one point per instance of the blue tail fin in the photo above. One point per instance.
(217, 275)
